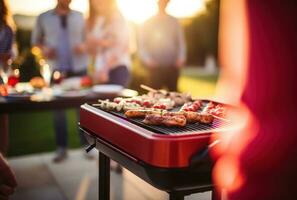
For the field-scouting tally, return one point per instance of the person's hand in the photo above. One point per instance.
(80, 49)
(101, 76)
(49, 53)
(7, 179)
(4, 57)
(151, 64)
(112, 60)
(179, 63)
(91, 45)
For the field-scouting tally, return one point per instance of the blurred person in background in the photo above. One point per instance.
(59, 33)
(108, 43)
(258, 46)
(7, 180)
(162, 48)
(6, 33)
(6, 44)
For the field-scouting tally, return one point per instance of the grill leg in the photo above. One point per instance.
(176, 196)
(104, 177)
(216, 194)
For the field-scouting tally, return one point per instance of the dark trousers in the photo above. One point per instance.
(164, 77)
(119, 75)
(60, 120)
(60, 125)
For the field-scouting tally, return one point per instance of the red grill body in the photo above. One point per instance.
(151, 147)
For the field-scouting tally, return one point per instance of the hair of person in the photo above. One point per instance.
(5, 15)
(111, 7)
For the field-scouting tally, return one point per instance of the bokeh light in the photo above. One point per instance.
(134, 10)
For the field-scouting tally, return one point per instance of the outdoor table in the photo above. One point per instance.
(21, 105)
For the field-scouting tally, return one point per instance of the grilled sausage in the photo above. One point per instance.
(137, 113)
(193, 117)
(167, 119)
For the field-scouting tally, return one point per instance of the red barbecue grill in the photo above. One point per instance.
(172, 159)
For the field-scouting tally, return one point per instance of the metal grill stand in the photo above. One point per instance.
(107, 151)
(104, 177)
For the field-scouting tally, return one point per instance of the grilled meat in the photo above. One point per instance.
(167, 119)
(193, 117)
(136, 113)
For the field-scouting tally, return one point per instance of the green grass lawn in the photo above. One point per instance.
(33, 132)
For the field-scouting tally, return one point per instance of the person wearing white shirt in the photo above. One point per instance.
(108, 43)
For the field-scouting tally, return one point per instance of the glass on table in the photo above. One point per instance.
(5, 69)
(58, 77)
(46, 73)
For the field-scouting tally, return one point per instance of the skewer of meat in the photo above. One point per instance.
(167, 119)
(191, 106)
(176, 97)
(217, 110)
(108, 105)
(193, 117)
(136, 113)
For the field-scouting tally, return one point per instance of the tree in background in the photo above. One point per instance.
(202, 34)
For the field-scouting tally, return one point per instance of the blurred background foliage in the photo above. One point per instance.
(202, 35)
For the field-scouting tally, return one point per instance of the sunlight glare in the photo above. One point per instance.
(137, 11)
(185, 8)
(134, 10)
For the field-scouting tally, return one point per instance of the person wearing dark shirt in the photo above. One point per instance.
(7, 178)
(6, 42)
(162, 48)
(6, 34)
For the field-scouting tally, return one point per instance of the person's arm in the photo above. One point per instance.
(233, 50)
(81, 47)
(142, 46)
(37, 33)
(181, 59)
(4, 57)
(37, 40)
(8, 181)
(9, 44)
(119, 40)
(117, 33)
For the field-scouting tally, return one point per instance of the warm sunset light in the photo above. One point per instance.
(139, 11)
(133, 10)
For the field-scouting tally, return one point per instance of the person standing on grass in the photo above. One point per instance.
(108, 43)
(6, 33)
(162, 48)
(59, 33)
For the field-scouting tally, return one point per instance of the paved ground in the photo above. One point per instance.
(76, 179)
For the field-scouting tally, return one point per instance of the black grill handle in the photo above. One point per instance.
(203, 155)
(90, 147)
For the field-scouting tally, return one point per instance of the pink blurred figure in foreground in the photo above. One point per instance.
(258, 53)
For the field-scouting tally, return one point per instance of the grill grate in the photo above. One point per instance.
(196, 128)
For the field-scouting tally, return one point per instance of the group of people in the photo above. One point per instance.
(259, 68)
(69, 44)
